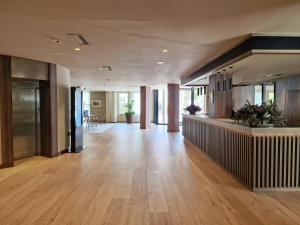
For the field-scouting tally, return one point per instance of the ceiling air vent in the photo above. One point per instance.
(79, 38)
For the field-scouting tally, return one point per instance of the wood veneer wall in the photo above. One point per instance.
(50, 115)
(6, 140)
(261, 162)
(290, 107)
(220, 103)
(49, 118)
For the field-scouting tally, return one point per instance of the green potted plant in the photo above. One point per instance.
(260, 116)
(129, 114)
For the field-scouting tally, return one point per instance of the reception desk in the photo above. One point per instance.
(263, 159)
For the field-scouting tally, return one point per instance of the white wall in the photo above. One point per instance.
(63, 109)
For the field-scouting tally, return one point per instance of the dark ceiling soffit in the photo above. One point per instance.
(252, 43)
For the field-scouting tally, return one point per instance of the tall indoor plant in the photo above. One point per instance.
(130, 113)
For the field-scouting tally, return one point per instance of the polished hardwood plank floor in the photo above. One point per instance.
(129, 176)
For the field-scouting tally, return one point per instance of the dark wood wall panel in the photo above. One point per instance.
(6, 112)
(261, 162)
(287, 91)
(220, 102)
(48, 109)
(53, 110)
(48, 104)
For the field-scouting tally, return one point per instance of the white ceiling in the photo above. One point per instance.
(258, 67)
(262, 67)
(130, 35)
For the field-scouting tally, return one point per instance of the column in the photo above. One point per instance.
(173, 107)
(145, 119)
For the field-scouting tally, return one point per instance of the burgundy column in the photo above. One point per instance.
(173, 107)
(145, 119)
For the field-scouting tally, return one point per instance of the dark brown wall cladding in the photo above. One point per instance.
(288, 98)
(220, 100)
(6, 149)
(48, 97)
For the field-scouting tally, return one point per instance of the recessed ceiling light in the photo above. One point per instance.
(108, 68)
(274, 75)
(56, 40)
(56, 53)
(165, 50)
(77, 49)
(160, 62)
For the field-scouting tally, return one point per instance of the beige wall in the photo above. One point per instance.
(63, 109)
(98, 111)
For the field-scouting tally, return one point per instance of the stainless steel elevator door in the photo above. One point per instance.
(25, 103)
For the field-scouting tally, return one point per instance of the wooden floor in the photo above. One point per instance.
(128, 176)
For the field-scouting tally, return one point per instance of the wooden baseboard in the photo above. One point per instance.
(2, 166)
(63, 152)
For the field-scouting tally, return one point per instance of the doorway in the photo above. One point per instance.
(25, 118)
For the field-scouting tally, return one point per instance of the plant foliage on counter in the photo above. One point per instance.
(260, 116)
(192, 109)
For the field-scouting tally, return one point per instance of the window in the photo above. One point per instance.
(199, 98)
(184, 101)
(86, 103)
(122, 101)
(269, 92)
(258, 94)
(264, 93)
(162, 106)
(136, 103)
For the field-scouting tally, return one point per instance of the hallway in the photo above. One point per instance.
(129, 176)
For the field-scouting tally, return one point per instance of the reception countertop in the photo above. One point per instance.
(229, 124)
(263, 159)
